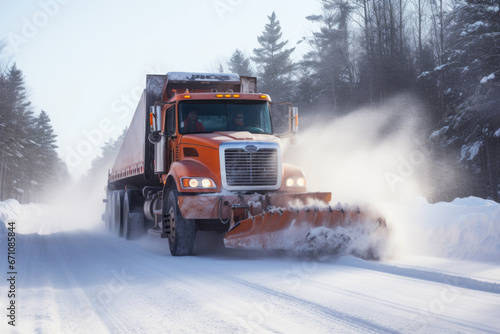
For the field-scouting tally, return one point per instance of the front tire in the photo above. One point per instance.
(182, 231)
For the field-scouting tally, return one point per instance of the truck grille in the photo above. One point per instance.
(254, 169)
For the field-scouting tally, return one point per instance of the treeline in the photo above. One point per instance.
(363, 52)
(29, 164)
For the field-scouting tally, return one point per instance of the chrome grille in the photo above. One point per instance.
(256, 169)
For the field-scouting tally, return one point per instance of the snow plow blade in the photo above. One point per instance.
(282, 228)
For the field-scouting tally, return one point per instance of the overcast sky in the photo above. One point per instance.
(85, 62)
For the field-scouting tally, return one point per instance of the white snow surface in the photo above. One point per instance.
(488, 78)
(469, 28)
(440, 273)
(470, 150)
(439, 133)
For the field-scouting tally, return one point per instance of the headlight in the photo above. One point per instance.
(207, 183)
(295, 182)
(301, 182)
(197, 183)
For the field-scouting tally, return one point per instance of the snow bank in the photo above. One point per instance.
(44, 218)
(467, 228)
(29, 218)
(9, 209)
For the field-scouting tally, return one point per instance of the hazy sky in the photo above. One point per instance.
(85, 62)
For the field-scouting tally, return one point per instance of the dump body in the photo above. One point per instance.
(134, 163)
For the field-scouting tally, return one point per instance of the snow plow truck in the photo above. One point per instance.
(202, 153)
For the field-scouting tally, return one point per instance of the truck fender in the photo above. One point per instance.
(191, 168)
(294, 172)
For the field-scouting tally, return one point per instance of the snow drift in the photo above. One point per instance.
(466, 228)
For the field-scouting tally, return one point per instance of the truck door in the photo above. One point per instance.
(170, 132)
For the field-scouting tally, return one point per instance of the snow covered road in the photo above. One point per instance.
(86, 281)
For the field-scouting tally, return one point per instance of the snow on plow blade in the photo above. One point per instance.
(282, 228)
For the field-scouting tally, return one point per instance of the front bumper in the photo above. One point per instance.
(219, 206)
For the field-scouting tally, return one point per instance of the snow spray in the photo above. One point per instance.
(372, 157)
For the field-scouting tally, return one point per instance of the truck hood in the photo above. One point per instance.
(214, 139)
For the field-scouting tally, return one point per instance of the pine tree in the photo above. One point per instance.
(329, 59)
(45, 132)
(44, 155)
(240, 64)
(4, 131)
(28, 160)
(16, 137)
(471, 70)
(274, 65)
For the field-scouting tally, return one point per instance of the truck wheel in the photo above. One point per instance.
(182, 231)
(133, 216)
(108, 211)
(117, 214)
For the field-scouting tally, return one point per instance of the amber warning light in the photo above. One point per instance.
(227, 95)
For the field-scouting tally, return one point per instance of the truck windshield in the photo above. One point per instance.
(214, 116)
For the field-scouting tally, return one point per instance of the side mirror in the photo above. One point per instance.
(154, 137)
(285, 119)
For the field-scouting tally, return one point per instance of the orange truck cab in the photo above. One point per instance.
(203, 152)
